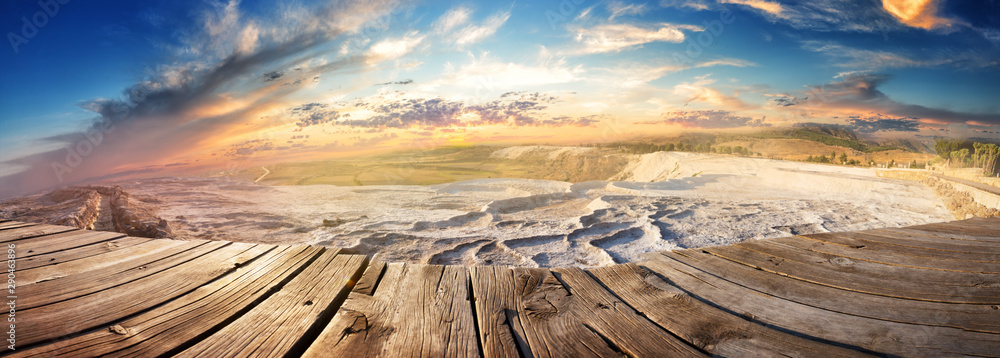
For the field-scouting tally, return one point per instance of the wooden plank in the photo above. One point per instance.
(709, 328)
(113, 257)
(903, 239)
(496, 300)
(870, 243)
(414, 310)
(873, 336)
(84, 313)
(14, 224)
(370, 279)
(930, 263)
(280, 325)
(182, 320)
(63, 241)
(562, 313)
(28, 232)
(926, 234)
(864, 276)
(53, 258)
(992, 223)
(965, 229)
(982, 318)
(57, 289)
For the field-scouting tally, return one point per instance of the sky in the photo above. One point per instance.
(106, 89)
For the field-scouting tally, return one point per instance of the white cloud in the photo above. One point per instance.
(453, 18)
(618, 37)
(485, 74)
(393, 48)
(636, 76)
(691, 4)
(473, 33)
(735, 62)
(617, 8)
(699, 91)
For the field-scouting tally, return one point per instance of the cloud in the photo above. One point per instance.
(184, 108)
(273, 75)
(828, 15)
(855, 87)
(513, 108)
(476, 33)
(917, 13)
(860, 93)
(311, 114)
(699, 91)
(784, 100)
(393, 48)
(735, 62)
(451, 19)
(688, 4)
(769, 7)
(619, 37)
(486, 73)
(403, 82)
(710, 119)
(636, 75)
(883, 123)
(879, 59)
(618, 8)
(563, 121)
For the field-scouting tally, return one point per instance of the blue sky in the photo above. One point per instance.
(199, 83)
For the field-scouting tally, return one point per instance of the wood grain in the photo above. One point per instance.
(275, 326)
(415, 310)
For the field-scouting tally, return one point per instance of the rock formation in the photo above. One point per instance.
(107, 208)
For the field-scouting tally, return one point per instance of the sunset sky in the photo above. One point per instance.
(109, 88)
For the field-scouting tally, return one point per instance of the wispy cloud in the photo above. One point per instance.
(700, 90)
(619, 37)
(475, 33)
(451, 19)
(868, 60)
(770, 7)
(488, 73)
(711, 119)
(634, 75)
(394, 48)
(618, 8)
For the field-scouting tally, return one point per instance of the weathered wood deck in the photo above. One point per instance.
(931, 290)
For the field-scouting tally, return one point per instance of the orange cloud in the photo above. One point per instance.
(772, 8)
(916, 13)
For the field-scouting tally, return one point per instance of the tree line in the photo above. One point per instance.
(643, 148)
(962, 153)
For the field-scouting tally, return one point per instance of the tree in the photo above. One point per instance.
(843, 158)
(833, 155)
(945, 147)
(960, 156)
